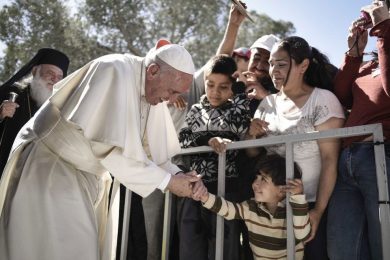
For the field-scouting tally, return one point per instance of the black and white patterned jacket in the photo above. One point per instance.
(230, 120)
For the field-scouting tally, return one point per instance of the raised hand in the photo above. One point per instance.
(253, 86)
(378, 11)
(235, 16)
(294, 186)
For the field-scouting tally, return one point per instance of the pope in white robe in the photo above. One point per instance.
(55, 187)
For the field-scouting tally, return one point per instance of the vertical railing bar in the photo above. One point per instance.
(220, 220)
(383, 191)
(289, 217)
(125, 224)
(166, 228)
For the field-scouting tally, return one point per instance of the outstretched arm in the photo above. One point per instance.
(229, 39)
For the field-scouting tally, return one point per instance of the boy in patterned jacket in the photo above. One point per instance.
(222, 116)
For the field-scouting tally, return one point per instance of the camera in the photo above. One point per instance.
(364, 22)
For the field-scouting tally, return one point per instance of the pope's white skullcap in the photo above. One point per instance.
(265, 42)
(174, 55)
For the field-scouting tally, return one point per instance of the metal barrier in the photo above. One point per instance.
(289, 140)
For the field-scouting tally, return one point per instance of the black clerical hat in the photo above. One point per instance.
(43, 56)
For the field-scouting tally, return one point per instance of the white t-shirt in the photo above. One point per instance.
(284, 117)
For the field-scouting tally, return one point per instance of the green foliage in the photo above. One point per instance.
(27, 26)
(263, 24)
(135, 26)
(99, 27)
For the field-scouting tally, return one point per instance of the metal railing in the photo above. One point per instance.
(288, 140)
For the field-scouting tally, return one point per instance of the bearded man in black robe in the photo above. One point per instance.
(33, 85)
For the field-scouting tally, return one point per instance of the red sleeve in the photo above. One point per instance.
(345, 79)
(382, 31)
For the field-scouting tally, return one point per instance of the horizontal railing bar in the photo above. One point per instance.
(281, 139)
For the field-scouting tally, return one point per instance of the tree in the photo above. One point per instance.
(99, 27)
(135, 26)
(26, 27)
(263, 24)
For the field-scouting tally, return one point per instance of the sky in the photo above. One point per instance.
(324, 24)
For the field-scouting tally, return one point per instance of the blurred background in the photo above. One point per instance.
(86, 29)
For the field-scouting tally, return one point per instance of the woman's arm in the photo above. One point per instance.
(329, 152)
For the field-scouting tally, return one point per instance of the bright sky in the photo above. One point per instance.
(324, 24)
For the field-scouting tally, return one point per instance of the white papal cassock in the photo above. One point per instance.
(55, 188)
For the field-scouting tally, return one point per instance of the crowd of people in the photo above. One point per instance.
(69, 142)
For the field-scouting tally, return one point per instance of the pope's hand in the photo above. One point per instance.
(181, 184)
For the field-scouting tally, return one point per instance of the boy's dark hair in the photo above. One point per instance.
(221, 64)
(275, 166)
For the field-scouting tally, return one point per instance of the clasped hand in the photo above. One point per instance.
(187, 185)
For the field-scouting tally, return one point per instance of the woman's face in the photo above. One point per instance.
(279, 66)
(285, 72)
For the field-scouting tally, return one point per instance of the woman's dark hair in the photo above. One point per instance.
(221, 64)
(275, 166)
(320, 72)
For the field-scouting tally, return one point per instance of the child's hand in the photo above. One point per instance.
(205, 196)
(200, 192)
(219, 144)
(294, 186)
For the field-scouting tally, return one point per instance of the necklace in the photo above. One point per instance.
(146, 122)
(141, 108)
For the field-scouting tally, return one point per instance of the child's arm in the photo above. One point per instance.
(224, 208)
(200, 192)
(300, 209)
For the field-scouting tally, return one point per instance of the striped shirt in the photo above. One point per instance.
(267, 232)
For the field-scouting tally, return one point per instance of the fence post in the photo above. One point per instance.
(166, 240)
(383, 191)
(220, 220)
(125, 224)
(289, 216)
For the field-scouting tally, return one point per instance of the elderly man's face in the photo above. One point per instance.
(165, 85)
(49, 74)
(258, 63)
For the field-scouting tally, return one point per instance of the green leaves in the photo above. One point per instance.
(98, 27)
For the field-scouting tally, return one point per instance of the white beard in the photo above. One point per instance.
(39, 90)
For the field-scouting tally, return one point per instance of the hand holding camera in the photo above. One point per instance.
(373, 14)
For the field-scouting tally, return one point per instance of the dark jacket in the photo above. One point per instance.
(10, 127)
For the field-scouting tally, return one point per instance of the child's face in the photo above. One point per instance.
(218, 89)
(265, 190)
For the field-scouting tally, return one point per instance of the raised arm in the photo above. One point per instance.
(229, 39)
